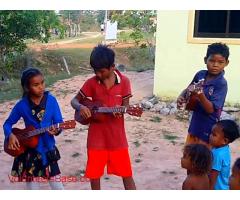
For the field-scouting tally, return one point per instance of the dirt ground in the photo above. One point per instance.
(77, 43)
(155, 142)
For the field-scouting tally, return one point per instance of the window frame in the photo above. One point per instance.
(205, 40)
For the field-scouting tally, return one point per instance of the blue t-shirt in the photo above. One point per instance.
(215, 90)
(221, 163)
(51, 116)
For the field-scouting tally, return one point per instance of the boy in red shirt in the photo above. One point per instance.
(107, 142)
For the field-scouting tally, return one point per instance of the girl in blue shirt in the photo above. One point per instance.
(38, 108)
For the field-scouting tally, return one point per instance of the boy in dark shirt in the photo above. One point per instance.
(211, 96)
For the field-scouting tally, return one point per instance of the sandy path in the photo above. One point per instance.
(73, 43)
(155, 147)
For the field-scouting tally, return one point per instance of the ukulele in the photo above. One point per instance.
(190, 97)
(99, 112)
(28, 137)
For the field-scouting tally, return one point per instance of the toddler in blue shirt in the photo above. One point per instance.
(223, 133)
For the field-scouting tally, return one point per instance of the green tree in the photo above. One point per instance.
(18, 26)
(88, 20)
(71, 15)
(71, 19)
(142, 22)
(101, 16)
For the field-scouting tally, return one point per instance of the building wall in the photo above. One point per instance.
(177, 60)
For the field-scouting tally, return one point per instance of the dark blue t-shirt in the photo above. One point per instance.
(215, 90)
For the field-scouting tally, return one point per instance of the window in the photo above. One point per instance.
(217, 24)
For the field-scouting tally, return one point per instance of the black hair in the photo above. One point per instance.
(200, 157)
(102, 57)
(230, 129)
(27, 74)
(237, 164)
(218, 48)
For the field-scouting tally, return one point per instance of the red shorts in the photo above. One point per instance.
(117, 161)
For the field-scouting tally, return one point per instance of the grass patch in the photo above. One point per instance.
(94, 40)
(50, 80)
(12, 90)
(52, 40)
(74, 58)
(155, 119)
(57, 39)
(139, 59)
(169, 135)
(50, 62)
(75, 155)
(137, 144)
(124, 37)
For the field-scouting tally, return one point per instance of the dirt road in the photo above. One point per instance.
(155, 142)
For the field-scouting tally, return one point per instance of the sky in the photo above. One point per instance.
(119, 4)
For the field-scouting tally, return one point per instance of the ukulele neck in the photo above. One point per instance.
(42, 130)
(120, 109)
